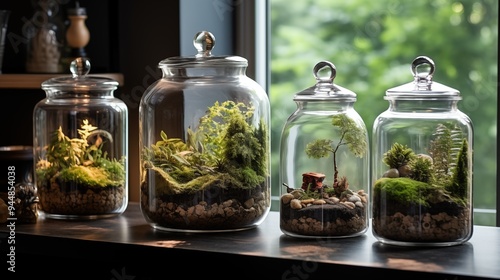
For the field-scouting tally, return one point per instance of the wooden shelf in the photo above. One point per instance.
(34, 81)
(127, 245)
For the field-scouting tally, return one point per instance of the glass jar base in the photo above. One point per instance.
(295, 235)
(419, 244)
(167, 229)
(78, 217)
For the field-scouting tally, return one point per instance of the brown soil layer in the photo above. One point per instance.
(324, 220)
(440, 222)
(74, 199)
(211, 209)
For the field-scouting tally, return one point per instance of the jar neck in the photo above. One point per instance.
(57, 94)
(328, 105)
(423, 106)
(206, 72)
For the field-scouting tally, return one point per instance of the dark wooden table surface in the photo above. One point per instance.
(126, 247)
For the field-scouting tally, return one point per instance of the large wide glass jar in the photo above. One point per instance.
(205, 143)
(422, 164)
(324, 163)
(81, 146)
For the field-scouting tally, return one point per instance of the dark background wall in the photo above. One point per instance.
(128, 37)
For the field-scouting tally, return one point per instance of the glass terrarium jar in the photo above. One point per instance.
(80, 146)
(204, 135)
(422, 164)
(324, 163)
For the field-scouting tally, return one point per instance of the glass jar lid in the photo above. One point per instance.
(325, 89)
(204, 42)
(80, 80)
(422, 86)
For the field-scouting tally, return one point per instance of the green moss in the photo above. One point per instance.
(87, 175)
(404, 190)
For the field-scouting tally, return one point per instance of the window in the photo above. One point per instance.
(372, 45)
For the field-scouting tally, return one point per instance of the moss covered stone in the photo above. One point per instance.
(407, 191)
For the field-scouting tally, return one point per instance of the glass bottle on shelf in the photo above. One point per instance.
(422, 164)
(45, 34)
(205, 140)
(81, 146)
(324, 163)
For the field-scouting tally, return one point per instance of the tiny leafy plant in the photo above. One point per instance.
(79, 161)
(351, 135)
(399, 155)
(225, 150)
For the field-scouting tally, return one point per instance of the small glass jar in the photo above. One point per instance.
(324, 163)
(81, 146)
(422, 164)
(204, 135)
(18, 192)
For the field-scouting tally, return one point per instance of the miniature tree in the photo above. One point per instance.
(444, 151)
(460, 176)
(440, 151)
(351, 135)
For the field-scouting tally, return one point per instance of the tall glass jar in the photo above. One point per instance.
(422, 164)
(204, 135)
(81, 147)
(324, 163)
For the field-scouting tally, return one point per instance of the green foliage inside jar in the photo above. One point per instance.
(426, 197)
(446, 166)
(225, 151)
(78, 161)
